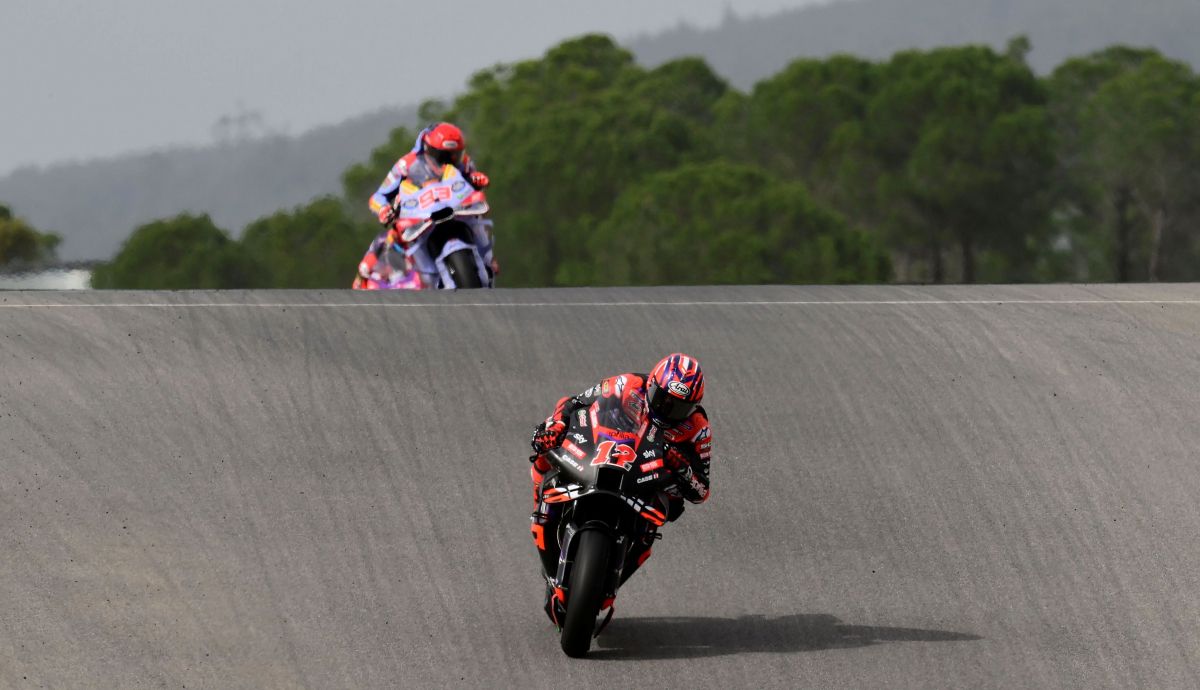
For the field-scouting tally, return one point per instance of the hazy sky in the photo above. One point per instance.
(87, 78)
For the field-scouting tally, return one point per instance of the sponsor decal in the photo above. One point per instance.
(648, 453)
(579, 438)
(647, 478)
(574, 450)
(583, 418)
(449, 144)
(704, 433)
(604, 389)
(410, 203)
(458, 186)
(634, 406)
(433, 195)
(651, 466)
(680, 389)
(653, 432)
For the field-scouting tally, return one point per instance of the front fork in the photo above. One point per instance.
(550, 535)
(566, 557)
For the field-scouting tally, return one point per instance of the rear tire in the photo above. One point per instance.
(585, 590)
(462, 268)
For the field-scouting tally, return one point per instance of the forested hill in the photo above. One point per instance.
(749, 49)
(93, 205)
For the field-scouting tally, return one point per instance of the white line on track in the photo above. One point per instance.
(782, 303)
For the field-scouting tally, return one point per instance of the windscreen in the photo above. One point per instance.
(621, 418)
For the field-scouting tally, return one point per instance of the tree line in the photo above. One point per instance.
(21, 246)
(956, 164)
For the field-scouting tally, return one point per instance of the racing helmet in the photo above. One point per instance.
(444, 144)
(674, 389)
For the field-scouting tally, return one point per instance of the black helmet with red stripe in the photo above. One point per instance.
(674, 389)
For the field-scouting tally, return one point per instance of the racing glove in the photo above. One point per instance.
(686, 483)
(678, 463)
(548, 435)
(387, 214)
(479, 180)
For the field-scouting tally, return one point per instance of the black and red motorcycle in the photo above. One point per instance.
(608, 479)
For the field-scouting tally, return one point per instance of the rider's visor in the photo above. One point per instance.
(445, 156)
(667, 409)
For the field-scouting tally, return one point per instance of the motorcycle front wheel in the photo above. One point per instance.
(462, 268)
(585, 590)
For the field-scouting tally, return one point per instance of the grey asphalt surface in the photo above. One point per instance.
(913, 487)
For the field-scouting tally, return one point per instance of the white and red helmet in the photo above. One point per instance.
(445, 144)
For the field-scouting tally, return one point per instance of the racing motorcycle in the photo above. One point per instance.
(609, 478)
(444, 241)
(391, 272)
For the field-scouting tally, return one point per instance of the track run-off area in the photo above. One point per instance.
(967, 487)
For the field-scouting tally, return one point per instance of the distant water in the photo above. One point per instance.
(60, 279)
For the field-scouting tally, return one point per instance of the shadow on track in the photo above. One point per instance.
(683, 638)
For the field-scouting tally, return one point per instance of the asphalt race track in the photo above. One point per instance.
(913, 487)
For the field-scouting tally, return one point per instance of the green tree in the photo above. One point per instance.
(314, 246)
(1129, 160)
(181, 253)
(563, 136)
(964, 151)
(361, 180)
(1095, 221)
(21, 245)
(794, 122)
(724, 223)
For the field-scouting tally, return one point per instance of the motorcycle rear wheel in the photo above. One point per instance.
(461, 266)
(585, 592)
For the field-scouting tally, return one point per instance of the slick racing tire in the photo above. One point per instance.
(585, 591)
(462, 268)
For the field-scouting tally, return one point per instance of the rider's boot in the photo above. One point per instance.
(638, 553)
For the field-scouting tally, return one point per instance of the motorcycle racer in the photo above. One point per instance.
(436, 146)
(668, 398)
(379, 246)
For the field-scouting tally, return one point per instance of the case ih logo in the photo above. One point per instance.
(679, 389)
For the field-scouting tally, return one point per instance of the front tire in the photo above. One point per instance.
(462, 268)
(585, 592)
